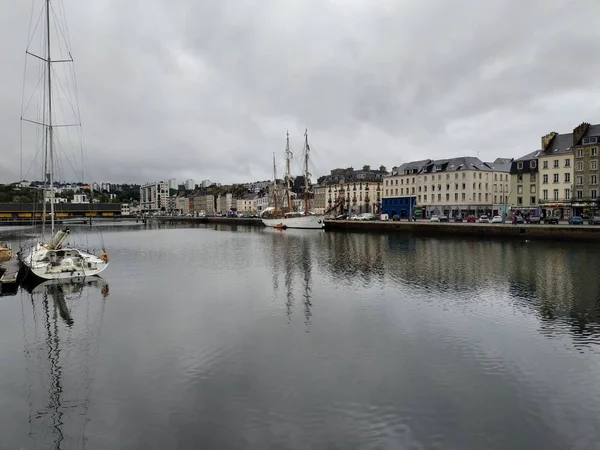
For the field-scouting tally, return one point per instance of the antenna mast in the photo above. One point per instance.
(288, 156)
(49, 140)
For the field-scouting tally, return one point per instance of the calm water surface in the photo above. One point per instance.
(237, 338)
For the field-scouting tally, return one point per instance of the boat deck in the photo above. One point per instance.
(9, 278)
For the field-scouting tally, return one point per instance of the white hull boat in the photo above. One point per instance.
(307, 222)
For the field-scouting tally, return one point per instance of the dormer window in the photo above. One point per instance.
(519, 165)
(438, 167)
(589, 140)
(533, 164)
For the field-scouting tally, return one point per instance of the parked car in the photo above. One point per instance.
(533, 219)
(497, 219)
(517, 219)
(458, 219)
(434, 218)
(471, 219)
(551, 219)
(576, 220)
(595, 220)
(443, 218)
(484, 219)
(395, 217)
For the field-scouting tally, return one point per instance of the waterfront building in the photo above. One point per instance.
(451, 187)
(400, 189)
(247, 203)
(361, 189)
(555, 181)
(154, 196)
(524, 178)
(586, 145)
(205, 202)
(225, 202)
(172, 183)
(183, 204)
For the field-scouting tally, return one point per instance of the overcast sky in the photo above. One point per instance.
(206, 89)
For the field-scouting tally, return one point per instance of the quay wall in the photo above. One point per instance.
(521, 232)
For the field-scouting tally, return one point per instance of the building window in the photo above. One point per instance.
(419, 199)
(579, 166)
(579, 195)
(474, 186)
(439, 197)
(463, 196)
(594, 165)
(396, 191)
(486, 196)
(456, 196)
(545, 178)
(532, 200)
(579, 180)
(519, 200)
(567, 194)
(532, 189)
(556, 178)
(567, 177)
(593, 194)
(545, 194)
(532, 177)
(580, 153)
(447, 197)
(594, 151)
(556, 163)
(533, 164)
(519, 178)
(425, 198)
(593, 179)
(413, 190)
(519, 189)
(447, 187)
(386, 182)
(568, 162)
(545, 164)
(495, 198)
(519, 165)
(555, 194)
(589, 140)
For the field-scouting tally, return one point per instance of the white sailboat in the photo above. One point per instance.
(281, 214)
(55, 259)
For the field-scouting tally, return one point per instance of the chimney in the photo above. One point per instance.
(579, 132)
(366, 168)
(382, 169)
(546, 140)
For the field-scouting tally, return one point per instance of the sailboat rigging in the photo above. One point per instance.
(55, 259)
(283, 215)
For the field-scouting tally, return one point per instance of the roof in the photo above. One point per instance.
(500, 164)
(593, 130)
(560, 144)
(529, 156)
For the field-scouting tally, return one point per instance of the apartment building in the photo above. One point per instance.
(464, 185)
(225, 202)
(524, 177)
(360, 189)
(247, 203)
(586, 145)
(154, 196)
(556, 175)
(204, 203)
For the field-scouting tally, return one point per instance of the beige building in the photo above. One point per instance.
(586, 150)
(225, 202)
(204, 203)
(320, 202)
(247, 203)
(464, 185)
(555, 180)
(154, 196)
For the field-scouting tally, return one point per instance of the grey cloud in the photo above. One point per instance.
(207, 89)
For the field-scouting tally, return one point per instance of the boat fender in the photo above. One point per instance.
(104, 257)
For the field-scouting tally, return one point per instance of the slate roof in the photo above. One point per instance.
(560, 144)
(529, 156)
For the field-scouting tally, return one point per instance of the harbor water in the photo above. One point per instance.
(234, 337)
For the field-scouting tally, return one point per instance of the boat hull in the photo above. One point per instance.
(71, 263)
(304, 222)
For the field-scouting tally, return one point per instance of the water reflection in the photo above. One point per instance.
(556, 282)
(292, 256)
(61, 334)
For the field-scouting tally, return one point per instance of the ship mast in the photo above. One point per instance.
(288, 156)
(49, 143)
(306, 172)
(274, 183)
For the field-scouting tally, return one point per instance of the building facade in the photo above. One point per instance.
(451, 187)
(586, 147)
(225, 202)
(189, 185)
(555, 179)
(154, 196)
(204, 203)
(247, 203)
(524, 178)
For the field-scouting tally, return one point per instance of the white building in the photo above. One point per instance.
(154, 196)
(190, 185)
(125, 209)
(173, 183)
(105, 187)
(206, 183)
(80, 198)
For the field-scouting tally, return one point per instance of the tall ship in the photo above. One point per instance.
(281, 212)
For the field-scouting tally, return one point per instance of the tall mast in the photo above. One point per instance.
(49, 140)
(274, 183)
(306, 172)
(288, 176)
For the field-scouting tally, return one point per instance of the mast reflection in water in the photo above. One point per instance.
(62, 321)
